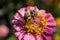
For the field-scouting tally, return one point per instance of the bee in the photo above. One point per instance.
(29, 15)
(33, 13)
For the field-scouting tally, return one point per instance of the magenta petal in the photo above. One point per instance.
(32, 8)
(22, 11)
(49, 30)
(18, 17)
(49, 16)
(17, 34)
(21, 36)
(47, 37)
(39, 37)
(29, 37)
(51, 23)
(18, 23)
(42, 11)
(51, 20)
(17, 28)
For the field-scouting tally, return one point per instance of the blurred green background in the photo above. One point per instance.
(9, 7)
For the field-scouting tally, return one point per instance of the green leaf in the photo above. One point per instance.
(12, 37)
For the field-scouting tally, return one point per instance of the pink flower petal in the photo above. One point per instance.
(18, 23)
(18, 17)
(17, 28)
(51, 20)
(50, 30)
(17, 34)
(22, 11)
(21, 36)
(32, 8)
(42, 12)
(47, 37)
(51, 23)
(49, 16)
(29, 37)
(39, 37)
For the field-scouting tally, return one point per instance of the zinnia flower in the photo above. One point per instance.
(4, 30)
(31, 23)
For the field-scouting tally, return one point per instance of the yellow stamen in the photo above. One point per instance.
(34, 28)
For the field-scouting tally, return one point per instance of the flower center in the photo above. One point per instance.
(34, 22)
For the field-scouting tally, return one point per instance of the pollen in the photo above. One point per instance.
(36, 24)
